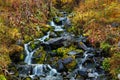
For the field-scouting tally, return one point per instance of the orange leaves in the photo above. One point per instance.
(15, 49)
(98, 33)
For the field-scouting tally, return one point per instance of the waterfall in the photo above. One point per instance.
(46, 71)
(44, 37)
(57, 28)
(41, 69)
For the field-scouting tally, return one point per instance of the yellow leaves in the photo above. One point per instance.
(3, 50)
(15, 48)
(4, 60)
(64, 1)
(14, 33)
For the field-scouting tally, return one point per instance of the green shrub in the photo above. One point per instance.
(106, 64)
(105, 47)
(2, 77)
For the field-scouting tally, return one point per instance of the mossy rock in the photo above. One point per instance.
(39, 56)
(22, 56)
(106, 64)
(79, 50)
(2, 77)
(62, 51)
(106, 48)
(27, 38)
(56, 20)
(72, 64)
(34, 44)
(28, 78)
(45, 28)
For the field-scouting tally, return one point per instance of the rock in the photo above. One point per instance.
(27, 78)
(69, 39)
(51, 78)
(83, 46)
(115, 24)
(68, 36)
(83, 72)
(72, 53)
(72, 78)
(80, 39)
(90, 49)
(53, 54)
(67, 60)
(60, 66)
(12, 69)
(33, 45)
(67, 23)
(53, 72)
(24, 70)
(66, 43)
(53, 35)
(57, 21)
(62, 21)
(90, 55)
(39, 56)
(17, 57)
(55, 42)
(94, 75)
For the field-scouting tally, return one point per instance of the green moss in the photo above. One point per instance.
(63, 51)
(2, 77)
(39, 55)
(71, 65)
(106, 64)
(22, 56)
(57, 19)
(28, 78)
(27, 38)
(34, 44)
(105, 47)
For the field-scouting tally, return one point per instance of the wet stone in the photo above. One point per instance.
(72, 53)
(83, 72)
(60, 66)
(67, 60)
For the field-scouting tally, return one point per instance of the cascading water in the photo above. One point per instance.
(45, 71)
(38, 69)
(44, 37)
(28, 58)
(41, 69)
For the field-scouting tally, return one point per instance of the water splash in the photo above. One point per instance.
(57, 28)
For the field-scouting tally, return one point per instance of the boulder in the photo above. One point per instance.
(72, 53)
(93, 75)
(82, 72)
(54, 43)
(61, 67)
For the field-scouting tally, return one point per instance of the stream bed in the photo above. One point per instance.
(82, 62)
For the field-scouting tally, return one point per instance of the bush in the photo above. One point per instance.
(105, 47)
(106, 64)
(2, 77)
